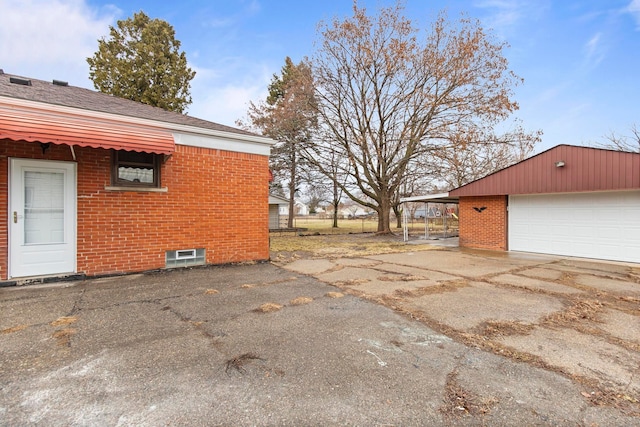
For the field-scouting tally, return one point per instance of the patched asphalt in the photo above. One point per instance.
(193, 347)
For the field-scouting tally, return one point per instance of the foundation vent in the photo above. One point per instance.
(185, 257)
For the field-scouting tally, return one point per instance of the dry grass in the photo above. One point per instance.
(634, 275)
(301, 301)
(493, 328)
(406, 278)
(248, 286)
(459, 402)
(334, 294)
(65, 320)
(13, 329)
(63, 336)
(268, 307)
(238, 362)
(353, 282)
(582, 310)
(285, 248)
(449, 286)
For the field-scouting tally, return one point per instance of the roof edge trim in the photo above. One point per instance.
(134, 120)
(435, 198)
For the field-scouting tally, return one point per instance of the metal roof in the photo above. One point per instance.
(277, 200)
(561, 169)
(432, 198)
(33, 125)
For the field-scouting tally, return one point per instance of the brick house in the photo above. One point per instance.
(97, 185)
(568, 200)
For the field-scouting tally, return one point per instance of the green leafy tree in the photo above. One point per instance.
(141, 61)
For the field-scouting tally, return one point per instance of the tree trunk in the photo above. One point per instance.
(398, 212)
(292, 190)
(384, 216)
(336, 204)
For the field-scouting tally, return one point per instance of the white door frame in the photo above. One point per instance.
(40, 259)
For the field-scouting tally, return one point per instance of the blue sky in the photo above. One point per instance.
(580, 59)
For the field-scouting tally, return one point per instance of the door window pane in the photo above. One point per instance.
(43, 207)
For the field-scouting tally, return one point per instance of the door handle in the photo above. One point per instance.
(15, 217)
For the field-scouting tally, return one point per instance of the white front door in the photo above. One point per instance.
(42, 218)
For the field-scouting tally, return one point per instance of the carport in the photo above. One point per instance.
(440, 199)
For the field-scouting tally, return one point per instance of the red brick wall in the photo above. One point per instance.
(216, 200)
(486, 229)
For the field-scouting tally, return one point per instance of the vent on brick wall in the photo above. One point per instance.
(185, 257)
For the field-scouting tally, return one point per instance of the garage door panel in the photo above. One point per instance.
(629, 214)
(560, 231)
(593, 225)
(609, 232)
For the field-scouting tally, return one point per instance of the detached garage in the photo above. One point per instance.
(569, 200)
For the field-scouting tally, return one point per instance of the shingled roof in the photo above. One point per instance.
(58, 93)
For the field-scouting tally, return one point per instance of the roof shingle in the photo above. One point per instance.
(77, 97)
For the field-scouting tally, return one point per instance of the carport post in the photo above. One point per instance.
(444, 220)
(426, 220)
(405, 227)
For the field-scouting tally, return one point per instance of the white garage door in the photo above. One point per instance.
(590, 225)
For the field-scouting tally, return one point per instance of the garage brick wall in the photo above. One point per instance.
(215, 200)
(486, 229)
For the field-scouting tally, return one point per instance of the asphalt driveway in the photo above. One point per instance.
(392, 339)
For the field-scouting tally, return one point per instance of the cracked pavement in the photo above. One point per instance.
(403, 343)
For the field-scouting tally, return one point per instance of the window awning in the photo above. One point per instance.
(33, 125)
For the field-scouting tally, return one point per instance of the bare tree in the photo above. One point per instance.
(332, 164)
(289, 116)
(629, 143)
(473, 154)
(387, 98)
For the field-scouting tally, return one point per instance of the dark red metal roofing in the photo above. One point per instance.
(23, 124)
(585, 169)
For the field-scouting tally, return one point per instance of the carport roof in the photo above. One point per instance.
(432, 198)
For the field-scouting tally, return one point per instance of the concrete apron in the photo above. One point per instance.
(579, 318)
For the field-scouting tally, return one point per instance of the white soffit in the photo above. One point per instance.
(219, 143)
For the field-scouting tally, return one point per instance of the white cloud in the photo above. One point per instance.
(222, 98)
(220, 22)
(594, 50)
(506, 12)
(634, 10)
(504, 16)
(253, 7)
(49, 39)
